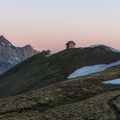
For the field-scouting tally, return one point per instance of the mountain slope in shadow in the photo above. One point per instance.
(40, 70)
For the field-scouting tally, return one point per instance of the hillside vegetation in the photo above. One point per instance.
(80, 98)
(38, 88)
(40, 71)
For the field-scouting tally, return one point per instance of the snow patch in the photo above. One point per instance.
(9, 44)
(3, 44)
(91, 69)
(112, 49)
(115, 81)
(16, 58)
(9, 61)
(94, 46)
(49, 53)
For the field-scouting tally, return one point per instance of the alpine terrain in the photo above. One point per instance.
(73, 84)
(11, 55)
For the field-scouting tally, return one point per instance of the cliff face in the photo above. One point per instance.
(11, 55)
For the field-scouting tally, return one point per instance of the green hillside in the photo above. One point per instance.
(83, 98)
(40, 71)
(38, 88)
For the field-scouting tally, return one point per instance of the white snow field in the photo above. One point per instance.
(112, 49)
(91, 69)
(115, 81)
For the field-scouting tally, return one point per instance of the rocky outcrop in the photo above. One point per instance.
(11, 55)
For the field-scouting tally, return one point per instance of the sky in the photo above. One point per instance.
(49, 24)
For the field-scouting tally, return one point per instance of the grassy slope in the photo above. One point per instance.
(40, 71)
(80, 98)
(117, 103)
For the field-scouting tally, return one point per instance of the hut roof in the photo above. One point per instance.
(69, 42)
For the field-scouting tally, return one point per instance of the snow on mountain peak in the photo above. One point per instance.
(107, 47)
(94, 46)
(4, 42)
(11, 55)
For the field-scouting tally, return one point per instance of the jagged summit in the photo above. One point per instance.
(4, 42)
(11, 55)
(28, 46)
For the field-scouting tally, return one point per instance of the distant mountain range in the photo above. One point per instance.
(11, 55)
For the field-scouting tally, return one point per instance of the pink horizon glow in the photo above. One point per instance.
(49, 24)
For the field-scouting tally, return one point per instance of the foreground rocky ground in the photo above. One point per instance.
(82, 98)
(38, 88)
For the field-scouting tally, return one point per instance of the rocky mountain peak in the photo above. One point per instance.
(11, 55)
(28, 47)
(4, 42)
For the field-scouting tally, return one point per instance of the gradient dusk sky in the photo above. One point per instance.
(49, 24)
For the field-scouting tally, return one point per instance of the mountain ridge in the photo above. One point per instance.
(40, 70)
(11, 55)
(38, 88)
